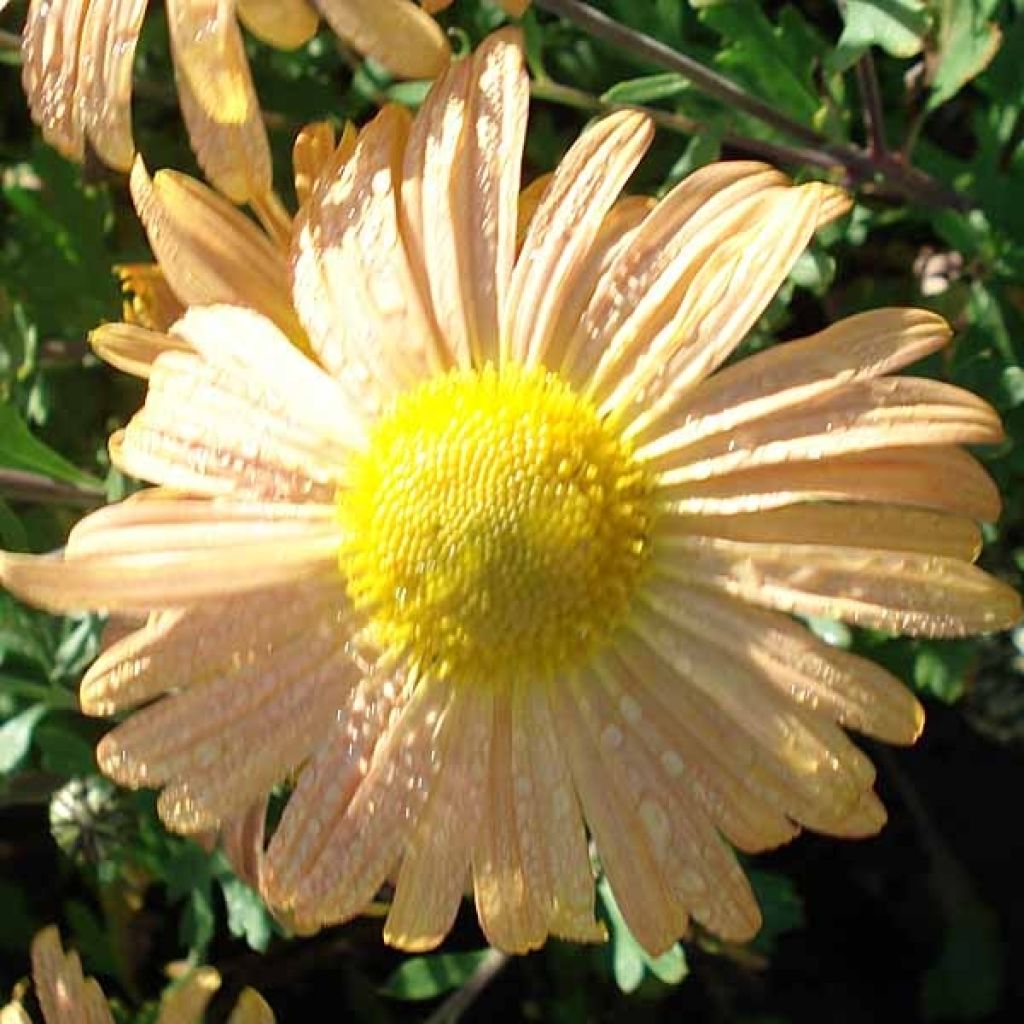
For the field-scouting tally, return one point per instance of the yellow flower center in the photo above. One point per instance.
(495, 527)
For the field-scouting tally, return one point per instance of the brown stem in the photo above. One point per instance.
(18, 485)
(871, 98)
(456, 1004)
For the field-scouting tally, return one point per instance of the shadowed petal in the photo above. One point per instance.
(285, 24)
(65, 995)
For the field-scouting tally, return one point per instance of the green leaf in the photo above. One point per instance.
(248, 917)
(781, 907)
(16, 736)
(425, 977)
(631, 963)
(941, 671)
(898, 26)
(20, 450)
(647, 89)
(12, 533)
(965, 45)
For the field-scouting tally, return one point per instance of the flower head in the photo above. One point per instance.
(510, 555)
(78, 70)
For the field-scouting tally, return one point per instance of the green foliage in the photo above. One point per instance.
(426, 977)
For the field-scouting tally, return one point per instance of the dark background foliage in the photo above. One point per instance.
(923, 923)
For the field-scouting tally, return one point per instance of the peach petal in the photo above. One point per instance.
(65, 995)
(891, 475)
(874, 414)
(858, 348)
(435, 866)
(132, 349)
(251, 1007)
(899, 592)
(568, 219)
(312, 150)
(283, 24)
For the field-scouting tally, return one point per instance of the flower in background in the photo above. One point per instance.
(66, 996)
(78, 57)
(494, 550)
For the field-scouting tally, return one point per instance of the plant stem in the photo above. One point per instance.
(859, 165)
(20, 485)
(871, 97)
(42, 693)
(456, 1004)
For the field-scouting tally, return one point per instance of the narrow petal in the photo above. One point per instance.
(459, 189)
(649, 278)
(148, 299)
(65, 995)
(729, 272)
(631, 858)
(179, 572)
(312, 150)
(209, 251)
(397, 33)
(187, 1001)
(354, 287)
(887, 527)
(218, 99)
(327, 784)
(889, 475)
(251, 1007)
(241, 435)
(697, 866)
(435, 867)
(852, 691)
(242, 839)
(227, 739)
(568, 219)
(133, 349)
(858, 348)
(283, 24)
(361, 839)
(859, 417)
(742, 754)
(899, 592)
(531, 868)
(110, 34)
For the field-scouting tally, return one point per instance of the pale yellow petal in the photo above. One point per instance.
(356, 842)
(65, 995)
(855, 349)
(104, 90)
(313, 148)
(698, 868)
(628, 853)
(728, 272)
(133, 349)
(942, 478)
(240, 436)
(286, 24)
(740, 768)
(186, 1001)
(13, 1013)
(888, 527)
(210, 252)
(172, 575)
(218, 99)
(459, 189)
(396, 33)
(327, 784)
(251, 1008)
(435, 866)
(899, 592)
(859, 417)
(853, 691)
(650, 278)
(568, 219)
(354, 287)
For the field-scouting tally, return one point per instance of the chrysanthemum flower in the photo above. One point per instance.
(78, 57)
(510, 557)
(67, 996)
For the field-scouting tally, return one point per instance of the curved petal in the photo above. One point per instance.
(864, 525)
(65, 995)
(568, 219)
(397, 33)
(50, 46)
(104, 92)
(459, 189)
(862, 416)
(942, 478)
(182, 571)
(857, 348)
(133, 349)
(209, 251)
(284, 24)
(354, 287)
(312, 150)
(218, 101)
(900, 592)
